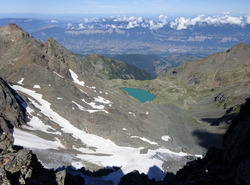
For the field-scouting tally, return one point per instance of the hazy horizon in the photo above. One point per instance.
(90, 8)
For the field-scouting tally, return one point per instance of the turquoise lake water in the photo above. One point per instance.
(140, 94)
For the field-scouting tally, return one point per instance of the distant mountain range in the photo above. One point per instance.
(132, 35)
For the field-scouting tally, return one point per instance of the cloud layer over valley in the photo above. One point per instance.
(180, 23)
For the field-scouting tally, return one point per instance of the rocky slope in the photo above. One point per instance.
(17, 44)
(111, 69)
(77, 117)
(19, 165)
(228, 164)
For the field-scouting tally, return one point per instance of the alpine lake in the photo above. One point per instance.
(141, 95)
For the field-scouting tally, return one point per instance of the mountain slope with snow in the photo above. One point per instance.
(83, 119)
(77, 116)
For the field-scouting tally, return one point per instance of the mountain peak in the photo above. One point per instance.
(239, 46)
(14, 33)
(14, 26)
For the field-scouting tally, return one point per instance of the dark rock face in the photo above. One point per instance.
(236, 155)
(135, 178)
(12, 114)
(10, 106)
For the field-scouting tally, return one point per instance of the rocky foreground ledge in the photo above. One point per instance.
(229, 164)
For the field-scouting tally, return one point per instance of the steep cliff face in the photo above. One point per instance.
(12, 114)
(236, 150)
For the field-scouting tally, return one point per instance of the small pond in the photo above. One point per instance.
(140, 94)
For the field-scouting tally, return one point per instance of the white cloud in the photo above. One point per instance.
(183, 23)
(228, 39)
(81, 26)
(158, 24)
(54, 21)
(69, 25)
(133, 22)
(248, 19)
(113, 26)
(198, 38)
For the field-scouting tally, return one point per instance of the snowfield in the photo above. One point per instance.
(29, 140)
(109, 154)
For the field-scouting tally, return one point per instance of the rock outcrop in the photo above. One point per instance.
(12, 114)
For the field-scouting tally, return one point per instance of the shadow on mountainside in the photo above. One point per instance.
(206, 139)
(226, 118)
(217, 127)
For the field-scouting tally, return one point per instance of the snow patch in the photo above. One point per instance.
(145, 139)
(21, 81)
(199, 156)
(83, 91)
(132, 113)
(87, 110)
(91, 87)
(36, 87)
(36, 124)
(58, 74)
(165, 138)
(102, 100)
(29, 140)
(94, 106)
(75, 78)
(59, 98)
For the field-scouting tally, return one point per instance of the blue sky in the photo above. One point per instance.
(179, 7)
